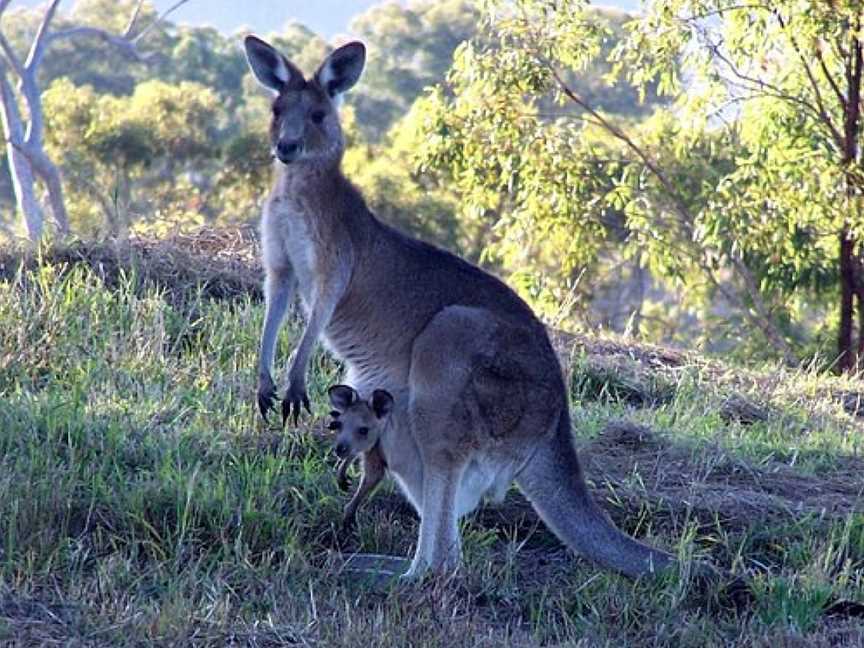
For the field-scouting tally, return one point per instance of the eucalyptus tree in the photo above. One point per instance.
(746, 189)
(789, 73)
(21, 108)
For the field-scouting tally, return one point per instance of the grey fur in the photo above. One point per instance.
(480, 397)
(361, 425)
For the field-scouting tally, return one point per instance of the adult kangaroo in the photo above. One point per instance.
(483, 398)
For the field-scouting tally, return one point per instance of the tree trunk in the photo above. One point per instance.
(49, 173)
(25, 192)
(845, 354)
(19, 165)
(859, 300)
(847, 358)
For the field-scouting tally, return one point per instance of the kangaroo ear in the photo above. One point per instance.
(342, 396)
(272, 70)
(382, 403)
(341, 70)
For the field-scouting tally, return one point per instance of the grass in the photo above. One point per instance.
(145, 503)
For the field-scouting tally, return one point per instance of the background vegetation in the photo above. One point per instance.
(689, 174)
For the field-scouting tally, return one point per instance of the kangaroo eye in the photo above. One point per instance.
(363, 431)
(318, 116)
(276, 110)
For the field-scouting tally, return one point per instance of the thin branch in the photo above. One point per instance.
(828, 77)
(159, 19)
(826, 118)
(771, 89)
(620, 135)
(125, 45)
(12, 123)
(130, 26)
(37, 49)
(128, 46)
(11, 56)
(724, 10)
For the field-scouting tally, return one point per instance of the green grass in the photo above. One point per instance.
(144, 502)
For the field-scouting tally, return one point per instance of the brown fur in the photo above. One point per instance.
(479, 394)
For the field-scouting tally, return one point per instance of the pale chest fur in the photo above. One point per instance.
(289, 237)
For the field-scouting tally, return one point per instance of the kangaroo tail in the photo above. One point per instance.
(552, 481)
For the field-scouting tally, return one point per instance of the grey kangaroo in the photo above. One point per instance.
(360, 426)
(484, 398)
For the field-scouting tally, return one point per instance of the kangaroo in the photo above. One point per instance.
(485, 401)
(360, 426)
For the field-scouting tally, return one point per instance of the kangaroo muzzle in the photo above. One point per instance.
(288, 150)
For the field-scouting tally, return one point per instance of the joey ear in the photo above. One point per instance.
(342, 396)
(272, 70)
(342, 68)
(382, 403)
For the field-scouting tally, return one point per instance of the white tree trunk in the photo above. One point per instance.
(25, 193)
(19, 165)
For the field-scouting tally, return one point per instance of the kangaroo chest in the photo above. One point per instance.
(288, 230)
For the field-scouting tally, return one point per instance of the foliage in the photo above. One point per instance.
(733, 196)
(115, 147)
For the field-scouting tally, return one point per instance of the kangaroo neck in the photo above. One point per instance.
(321, 196)
(302, 180)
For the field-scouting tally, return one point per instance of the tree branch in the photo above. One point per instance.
(159, 19)
(130, 26)
(772, 90)
(827, 74)
(762, 318)
(11, 56)
(37, 49)
(823, 113)
(126, 43)
(126, 46)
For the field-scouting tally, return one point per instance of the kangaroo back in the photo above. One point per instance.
(553, 483)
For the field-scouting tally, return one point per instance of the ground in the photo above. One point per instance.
(144, 502)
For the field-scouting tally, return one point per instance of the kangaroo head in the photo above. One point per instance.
(305, 126)
(359, 423)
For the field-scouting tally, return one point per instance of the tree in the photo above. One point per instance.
(138, 158)
(24, 131)
(795, 69)
(732, 191)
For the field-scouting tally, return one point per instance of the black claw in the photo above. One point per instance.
(265, 406)
(306, 404)
(286, 411)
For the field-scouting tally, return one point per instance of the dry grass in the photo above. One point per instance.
(221, 263)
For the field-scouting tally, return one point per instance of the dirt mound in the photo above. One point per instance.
(221, 263)
(714, 487)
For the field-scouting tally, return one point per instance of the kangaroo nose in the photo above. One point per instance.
(341, 450)
(287, 151)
